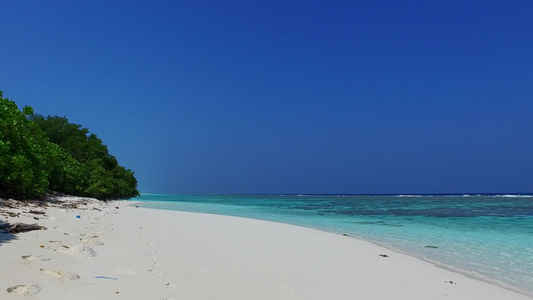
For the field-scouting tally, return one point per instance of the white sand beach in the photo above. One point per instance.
(118, 251)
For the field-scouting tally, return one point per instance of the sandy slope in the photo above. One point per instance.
(153, 254)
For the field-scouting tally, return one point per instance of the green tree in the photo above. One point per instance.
(66, 174)
(38, 154)
(22, 152)
(104, 177)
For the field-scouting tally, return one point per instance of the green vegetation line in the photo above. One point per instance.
(39, 154)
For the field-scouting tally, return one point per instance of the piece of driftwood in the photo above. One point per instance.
(69, 205)
(36, 212)
(20, 227)
(9, 213)
(10, 203)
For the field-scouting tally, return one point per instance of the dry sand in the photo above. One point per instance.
(117, 251)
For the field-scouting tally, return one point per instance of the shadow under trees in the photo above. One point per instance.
(6, 237)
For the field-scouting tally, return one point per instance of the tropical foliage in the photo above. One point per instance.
(105, 178)
(39, 154)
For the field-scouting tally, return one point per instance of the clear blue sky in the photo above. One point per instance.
(287, 96)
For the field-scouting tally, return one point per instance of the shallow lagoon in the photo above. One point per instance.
(486, 236)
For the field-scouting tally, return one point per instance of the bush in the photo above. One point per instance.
(38, 154)
(22, 153)
(104, 177)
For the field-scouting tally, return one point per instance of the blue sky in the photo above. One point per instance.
(287, 96)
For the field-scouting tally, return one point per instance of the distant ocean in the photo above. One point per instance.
(489, 237)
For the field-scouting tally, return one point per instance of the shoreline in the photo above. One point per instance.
(518, 279)
(155, 254)
(470, 274)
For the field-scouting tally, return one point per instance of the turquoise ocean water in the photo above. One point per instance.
(489, 237)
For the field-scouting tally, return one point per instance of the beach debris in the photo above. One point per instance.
(117, 292)
(10, 213)
(36, 212)
(20, 227)
(171, 286)
(106, 277)
(56, 242)
(55, 245)
(430, 246)
(30, 258)
(12, 203)
(345, 234)
(70, 205)
(383, 255)
(78, 216)
(24, 290)
(154, 272)
(450, 282)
